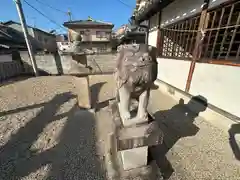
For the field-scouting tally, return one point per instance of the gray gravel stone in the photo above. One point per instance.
(44, 134)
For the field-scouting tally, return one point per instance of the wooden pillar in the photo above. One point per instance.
(147, 32)
(159, 35)
(198, 45)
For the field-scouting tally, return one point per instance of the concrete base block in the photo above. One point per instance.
(82, 85)
(134, 158)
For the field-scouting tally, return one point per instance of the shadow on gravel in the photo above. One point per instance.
(73, 157)
(95, 90)
(175, 123)
(234, 130)
(14, 80)
(12, 111)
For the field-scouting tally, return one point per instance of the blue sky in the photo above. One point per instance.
(105, 10)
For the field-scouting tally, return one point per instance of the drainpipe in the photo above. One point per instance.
(199, 40)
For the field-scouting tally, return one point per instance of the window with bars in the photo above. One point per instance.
(221, 41)
(100, 34)
(178, 39)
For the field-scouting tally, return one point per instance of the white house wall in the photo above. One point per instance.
(180, 9)
(152, 38)
(92, 34)
(219, 84)
(174, 72)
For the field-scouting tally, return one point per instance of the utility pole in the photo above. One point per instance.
(26, 35)
(69, 15)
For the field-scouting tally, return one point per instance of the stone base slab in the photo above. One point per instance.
(128, 153)
(140, 135)
(134, 158)
(116, 169)
(82, 85)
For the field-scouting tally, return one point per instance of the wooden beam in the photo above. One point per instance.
(160, 35)
(198, 46)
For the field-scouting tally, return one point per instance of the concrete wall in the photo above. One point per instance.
(218, 83)
(102, 63)
(174, 72)
(70, 64)
(47, 63)
(9, 69)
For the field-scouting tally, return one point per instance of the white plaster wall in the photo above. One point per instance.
(152, 38)
(219, 84)
(92, 34)
(174, 72)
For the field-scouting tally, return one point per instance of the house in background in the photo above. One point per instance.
(41, 40)
(95, 35)
(62, 42)
(11, 40)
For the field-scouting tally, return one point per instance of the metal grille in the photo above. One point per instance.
(221, 41)
(177, 42)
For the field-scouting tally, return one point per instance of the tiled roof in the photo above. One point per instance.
(150, 8)
(88, 23)
(13, 22)
(9, 33)
(10, 38)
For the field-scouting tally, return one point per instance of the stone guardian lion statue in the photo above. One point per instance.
(136, 71)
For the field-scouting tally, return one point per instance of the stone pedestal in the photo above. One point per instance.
(83, 92)
(134, 158)
(132, 142)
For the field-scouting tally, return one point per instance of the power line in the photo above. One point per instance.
(48, 5)
(125, 4)
(43, 15)
(56, 9)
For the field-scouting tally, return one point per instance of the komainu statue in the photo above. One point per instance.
(135, 73)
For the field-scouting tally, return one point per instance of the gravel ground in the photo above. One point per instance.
(192, 149)
(43, 134)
